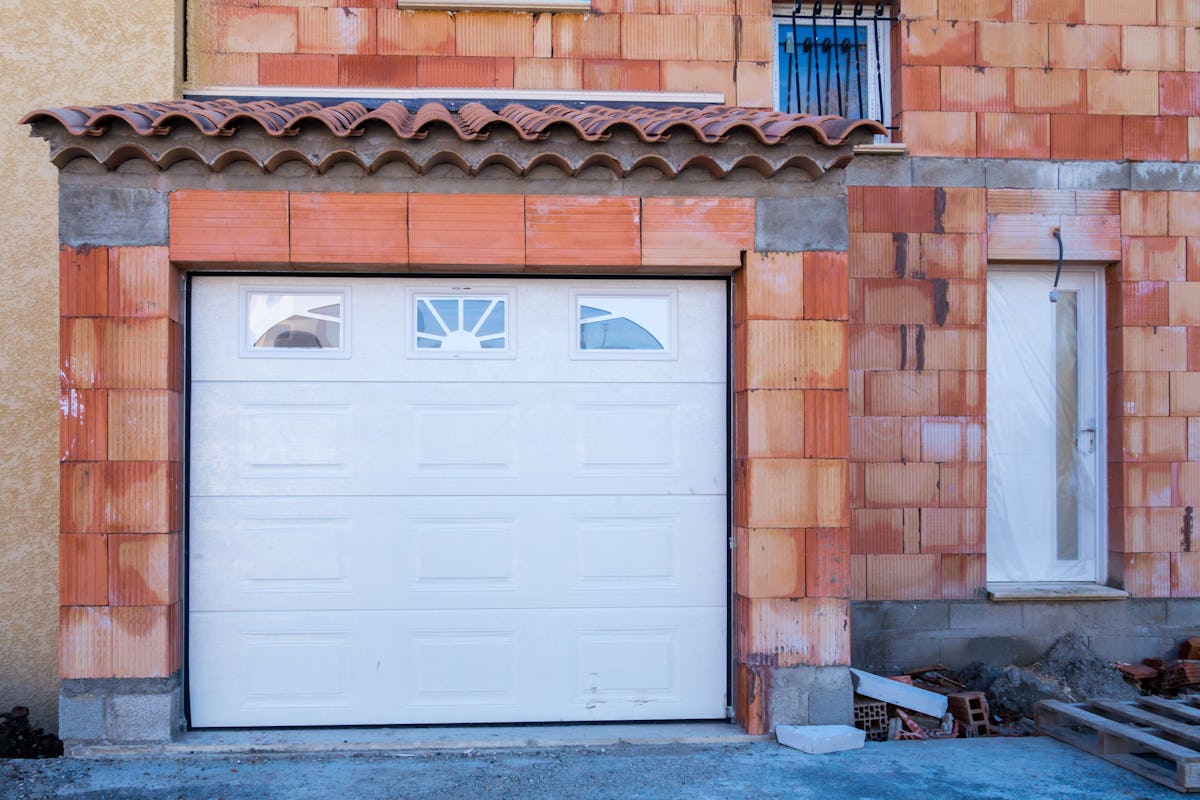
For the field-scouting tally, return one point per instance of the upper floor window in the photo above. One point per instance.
(833, 58)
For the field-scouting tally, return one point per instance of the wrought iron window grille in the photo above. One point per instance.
(832, 59)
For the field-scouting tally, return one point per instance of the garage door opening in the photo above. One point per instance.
(427, 501)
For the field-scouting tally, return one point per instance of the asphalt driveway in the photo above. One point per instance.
(1035, 768)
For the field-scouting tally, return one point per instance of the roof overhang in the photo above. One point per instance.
(516, 137)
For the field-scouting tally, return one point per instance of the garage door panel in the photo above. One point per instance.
(379, 318)
(386, 439)
(386, 530)
(257, 554)
(459, 666)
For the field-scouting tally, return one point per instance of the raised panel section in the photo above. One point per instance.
(628, 552)
(454, 555)
(447, 667)
(628, 666)
(465, 439)
(616, 438)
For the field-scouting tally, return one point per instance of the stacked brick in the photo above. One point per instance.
(718, 46)
(121, 472)
(791, 444)
(917, 427)
(1062, 79)
(1154, 396)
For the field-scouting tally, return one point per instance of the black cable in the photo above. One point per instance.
(1057, 234)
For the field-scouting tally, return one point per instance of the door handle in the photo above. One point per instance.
(1087, 438)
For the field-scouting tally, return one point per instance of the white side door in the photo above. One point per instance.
(1045, 419)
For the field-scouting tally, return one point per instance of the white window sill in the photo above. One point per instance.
(1013, 592)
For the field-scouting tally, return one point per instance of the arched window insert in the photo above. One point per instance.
(834, 58)
(295, 322)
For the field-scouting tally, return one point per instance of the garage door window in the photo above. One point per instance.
(294, 323)
(458, 325)
(624, 326)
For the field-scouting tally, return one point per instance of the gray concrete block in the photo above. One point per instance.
(1093, 175)
(994, 650)
(801, 223)
(1006, 174)
(947, 172)
(1133, 649)
(142, 717)
(111, 216)
(983, 619)
(879, 171)
(1185, 613)
(811, 696)
(920, 616)
(81, 717)
(1164, 176)
(906, 652)
(820, 739)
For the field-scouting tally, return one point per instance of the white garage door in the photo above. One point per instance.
(449, 501)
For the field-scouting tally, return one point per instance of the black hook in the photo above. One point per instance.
(1057, 234)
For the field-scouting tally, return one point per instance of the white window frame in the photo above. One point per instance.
(871, 87)
(668, 353)
(246, 348)
(411, 296)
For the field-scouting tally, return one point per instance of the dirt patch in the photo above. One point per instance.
(1069, 671)
(18, 739)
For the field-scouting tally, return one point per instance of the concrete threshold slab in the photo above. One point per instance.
(438, 739)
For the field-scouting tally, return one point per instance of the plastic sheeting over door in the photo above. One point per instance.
(1044, 417)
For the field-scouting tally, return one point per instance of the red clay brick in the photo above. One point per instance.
(827, 562)
(770, 562)
(142, 354)
(81, 352)
(84, 642)
(648, 36)
(1179, 93)
(416, 33)
(141, 641)
(143, 425)
(1183, 213)
(1012, 44)
(143, 569)
(772, 425)
(82, 569)
(1144, 213)
(1014, 136)
(582, 230)
(1138, 303)
(770, 286)
(548, 73)
(940, 133)
(142, 283)
(372, 70)
(784, 354)
(826, 277)
(938, 43)
(1147, 574)
(229, 227)
(83, 281)
(1151, 438)
(336, 30)
(1122, 92)
(963, 577)
(1068, 11)
(699, 231)
(293, 69)
(621, 75)
(83, 425)
(338, 228)
(952, 530)
(1152, 47)
(796, 493)
(903, 577)
(500, 34)
(1140, 394)
(1057, 91)
(1095, 47)
(479, 230)
(920, 88)
(826, 424)
(976, 89)
(1153, 258)
(587, 36)
(962, 486)
(899, 209)
(1086, 136)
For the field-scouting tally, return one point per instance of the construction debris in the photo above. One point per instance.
(19, 739)
(971, 711)
(819, 739)
(898, 694)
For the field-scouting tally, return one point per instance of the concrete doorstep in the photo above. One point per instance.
(428, 739)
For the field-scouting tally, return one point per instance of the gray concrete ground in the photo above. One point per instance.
(1035, 768)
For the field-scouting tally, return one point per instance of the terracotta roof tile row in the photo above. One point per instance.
(472, 122)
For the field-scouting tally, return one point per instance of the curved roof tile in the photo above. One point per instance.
(472, 122)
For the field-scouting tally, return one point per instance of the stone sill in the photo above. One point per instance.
(1014, 592)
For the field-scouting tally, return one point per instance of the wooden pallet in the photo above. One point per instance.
(1152, 736)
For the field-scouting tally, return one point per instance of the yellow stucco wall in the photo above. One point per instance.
(84, 52)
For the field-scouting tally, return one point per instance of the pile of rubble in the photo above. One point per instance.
(988, 700)
(19, 739)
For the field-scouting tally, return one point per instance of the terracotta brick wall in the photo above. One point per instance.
(121, 495)
(1154, 395)
(1069, 79)
(918, 257)
(721, 46)
(791, 444)
(917, 427)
